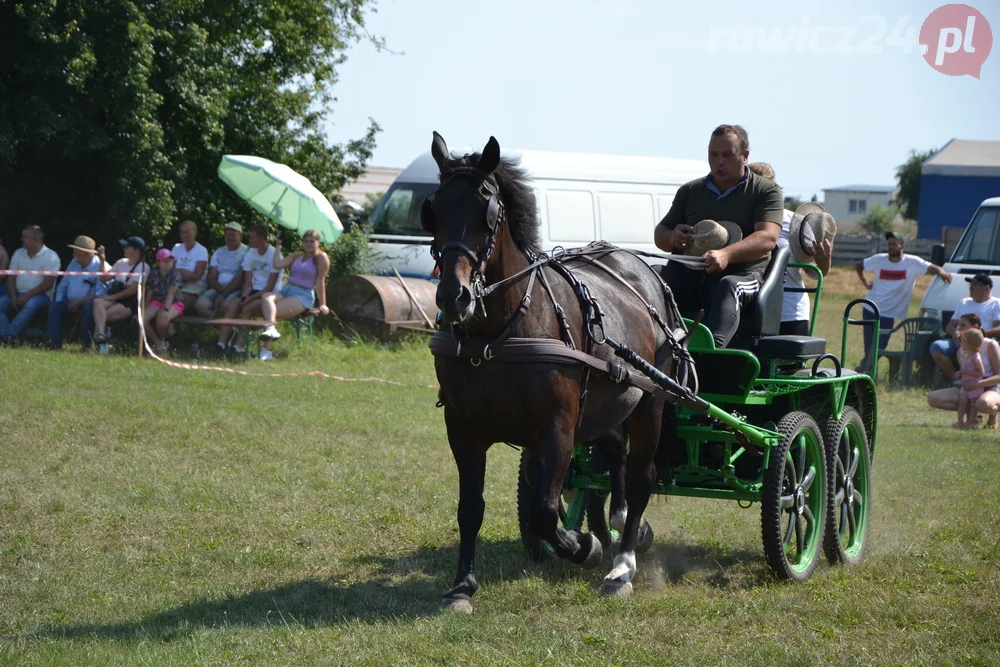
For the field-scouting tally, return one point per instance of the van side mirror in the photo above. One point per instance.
(937, 254)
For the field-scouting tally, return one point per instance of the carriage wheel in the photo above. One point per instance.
(794, 498)
(850, 495)
(571, 509)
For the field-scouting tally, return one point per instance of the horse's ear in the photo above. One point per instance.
(439, 150)
(491, 157)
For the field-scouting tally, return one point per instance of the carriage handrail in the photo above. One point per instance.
(865, 323)
(818, 290)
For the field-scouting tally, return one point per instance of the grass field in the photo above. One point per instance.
(151, 515)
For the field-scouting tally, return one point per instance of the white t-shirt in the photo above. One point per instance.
(123, 266)
(892, 285)
(187, 260)
(262, 266)
(795, 305)
(228, 262)
(988, 311)
(45, 259)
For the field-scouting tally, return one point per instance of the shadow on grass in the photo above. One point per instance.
(400, 588)
(396, 588)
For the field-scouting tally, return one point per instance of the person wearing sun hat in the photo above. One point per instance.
(76, 294)
(890, 288)
(732, 274)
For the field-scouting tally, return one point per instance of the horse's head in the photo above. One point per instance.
(465, 215)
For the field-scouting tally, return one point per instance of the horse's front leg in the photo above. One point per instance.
(470, 457)
(554, 452)
(640, 472)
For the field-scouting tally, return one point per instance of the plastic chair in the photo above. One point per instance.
(918, 332)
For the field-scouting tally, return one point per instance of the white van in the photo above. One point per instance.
(581, 198)
(977, 252)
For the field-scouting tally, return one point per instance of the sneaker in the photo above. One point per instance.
(265, 355)
(220, 349)
(270, 333)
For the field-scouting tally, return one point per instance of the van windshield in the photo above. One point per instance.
(981, 242)
(398, 212)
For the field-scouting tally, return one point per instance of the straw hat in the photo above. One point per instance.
(712, 235)
(810, 226)
(84, 243)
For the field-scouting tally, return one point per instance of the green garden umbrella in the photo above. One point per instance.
(282, 194)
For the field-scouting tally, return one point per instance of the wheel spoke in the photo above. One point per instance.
(852, 522)
(839, 498)
(853, 469)
(808, 516)
(799, 538)
(791, 475)
(800, 467)
(787, 502)
(844, 509)
(857, 498)
(808, 479)
(793, 519)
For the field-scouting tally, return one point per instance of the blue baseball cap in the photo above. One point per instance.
(134, 242)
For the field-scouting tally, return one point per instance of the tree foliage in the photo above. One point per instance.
(908, 177)
(114, 114)
(878, 219)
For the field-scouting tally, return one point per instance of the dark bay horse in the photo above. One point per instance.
(497, 291)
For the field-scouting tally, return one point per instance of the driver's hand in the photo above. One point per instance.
(682, 237)
(716, 261)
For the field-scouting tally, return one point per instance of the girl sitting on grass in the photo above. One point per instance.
(162, 302)
(972, 368)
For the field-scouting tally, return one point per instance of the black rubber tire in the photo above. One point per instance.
(785, 493)
(839, 544)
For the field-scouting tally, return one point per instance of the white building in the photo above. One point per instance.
(849, 203)
(376, 180)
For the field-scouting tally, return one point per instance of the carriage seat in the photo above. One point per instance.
(761, 322)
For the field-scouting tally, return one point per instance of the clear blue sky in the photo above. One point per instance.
(641, 77)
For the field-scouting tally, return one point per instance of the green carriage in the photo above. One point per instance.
(774, 425)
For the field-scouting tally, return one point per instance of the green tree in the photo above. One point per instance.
(792, 203)
(908, 178)
(878, 219)
(371, 201)
(114, 113)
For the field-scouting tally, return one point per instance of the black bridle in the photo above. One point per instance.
(495, 216)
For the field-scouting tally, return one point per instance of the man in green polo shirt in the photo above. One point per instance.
(733, 274)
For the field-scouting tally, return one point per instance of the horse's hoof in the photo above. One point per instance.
(593, 558)
(458, 605)
(645, 538)
(616, 588)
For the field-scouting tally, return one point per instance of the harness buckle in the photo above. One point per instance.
(475, 362)
(487, 353)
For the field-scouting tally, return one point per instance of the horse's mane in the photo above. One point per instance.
(518, 199)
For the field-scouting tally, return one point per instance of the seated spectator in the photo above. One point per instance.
(76, 294)
(162, 299)
(4, 261)
(119, 300)
(795, 307)
(26, 295)
(979, 302)
(989, 401)
(191, 260)
(225, 275)
(305, 288)
(259, 276)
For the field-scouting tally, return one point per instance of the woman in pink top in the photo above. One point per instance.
(305, 288)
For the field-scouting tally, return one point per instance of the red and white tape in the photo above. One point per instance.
(191, 367)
